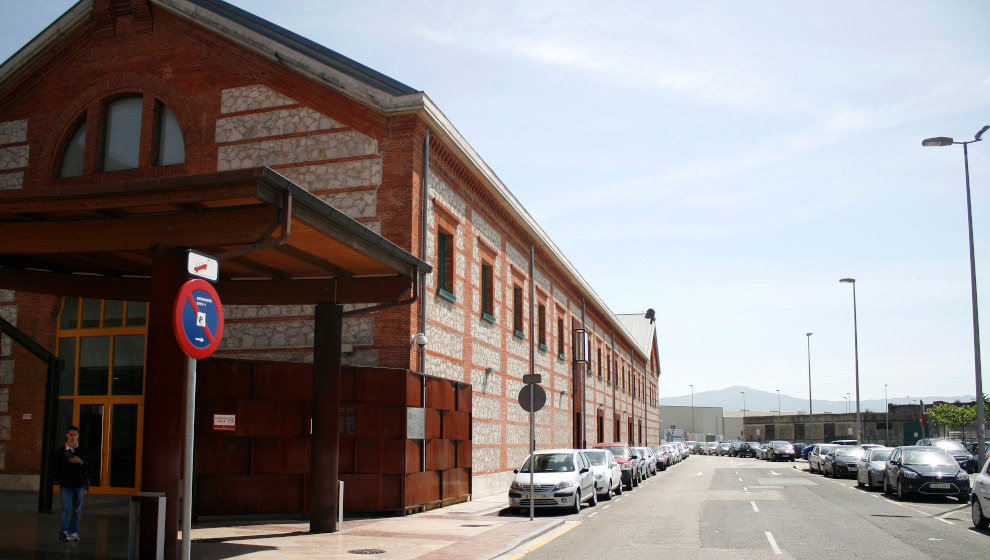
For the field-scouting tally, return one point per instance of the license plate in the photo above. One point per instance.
(541, 496)
(941, 485)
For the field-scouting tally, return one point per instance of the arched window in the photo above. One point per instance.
(123, 143)
(72, 162)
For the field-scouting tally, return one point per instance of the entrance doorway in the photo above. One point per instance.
(101, 389)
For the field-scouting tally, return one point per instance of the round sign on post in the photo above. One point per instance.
(539, 398)
(198, 319)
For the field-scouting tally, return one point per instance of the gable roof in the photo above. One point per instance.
(643, 330)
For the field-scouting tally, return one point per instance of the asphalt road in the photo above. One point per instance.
(722, 507)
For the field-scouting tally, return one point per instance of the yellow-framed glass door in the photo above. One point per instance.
(102, 387)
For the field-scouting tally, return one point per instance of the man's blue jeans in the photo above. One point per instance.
(72, 499)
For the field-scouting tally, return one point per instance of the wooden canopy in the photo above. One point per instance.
(276, 242)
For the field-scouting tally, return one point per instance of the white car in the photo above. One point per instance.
(980, 498)
(561, 478)
(608, 473)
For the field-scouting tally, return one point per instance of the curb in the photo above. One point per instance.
(523, 539)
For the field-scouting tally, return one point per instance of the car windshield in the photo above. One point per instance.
(619, 451)
(934, 457)
(880, 454)
(596, 458)
(823, 450)
(845, 451)
(551, 462)
(949, 445)
(780, 444)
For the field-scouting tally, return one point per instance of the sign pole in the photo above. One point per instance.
(532, 449)
(187, 474)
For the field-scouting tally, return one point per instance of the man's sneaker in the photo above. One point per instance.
(63, 536)
(74, 538)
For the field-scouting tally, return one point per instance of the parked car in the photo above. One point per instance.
(608, 473)
(675, 452)
(724, 448)
(734, 448)
(627, 460)
(842, 460)
(980, 501)
(927, 470)
(712, 448)
(662, 458)
(691, 445)
(763, 452)
(956, 449)
(971, 447)
(816, 456)
(561, 478)
(779, 450)
(747, 449)
(807, 450)
(647, 459)
(869, 469)
(845, 442)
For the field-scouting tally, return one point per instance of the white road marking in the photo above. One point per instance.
(945, 520)
(756, 509)
(773, 544)
(745, 489)
(607, 506)
(775, 473)
(740, 479)
(592, 514)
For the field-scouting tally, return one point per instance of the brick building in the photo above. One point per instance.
(133, 129)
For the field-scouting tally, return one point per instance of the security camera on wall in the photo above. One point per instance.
(420, 340)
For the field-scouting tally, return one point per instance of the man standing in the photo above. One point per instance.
(72, 466)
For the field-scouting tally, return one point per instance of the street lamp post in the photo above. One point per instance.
(847, 402)
(778, 403)
(692, 412)
(859, 425)
(980, 422)
(886, 408)
(811, 413)
(743, 431)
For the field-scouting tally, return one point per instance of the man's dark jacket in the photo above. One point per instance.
(71, 475)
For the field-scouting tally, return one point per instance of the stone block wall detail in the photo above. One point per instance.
(11, 181)
(252, 98)
(297, 149)
(13, 157)
(273, 123)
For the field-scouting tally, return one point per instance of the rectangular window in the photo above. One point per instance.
(798, 432)
(517, 311)
(445, 265)
(541, 315)
(487, 292)
(608, 368)
(560, 339)
(599, 361)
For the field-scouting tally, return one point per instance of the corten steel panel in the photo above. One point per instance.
(280, 455)
(392, 422)
(347, 385)
(345, 455)
(207, 454)
(414, 456)
(464, 397)
(456, 425)
(293, 421)
(379, 386)
(440, 394)
(223, 378)
(422, 488)
(393, 456)
(366, 421)
(414, 390)
(236, 456)
(238, 493)
(392, 491)
(362, 492)
(456, 483)
(259, 417)
(464, 454)
(439, 454)
(283, 381)
(433, 423)
(367, 456)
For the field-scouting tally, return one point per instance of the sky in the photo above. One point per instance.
(724, 163)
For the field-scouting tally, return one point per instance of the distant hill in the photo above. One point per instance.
(730, 399)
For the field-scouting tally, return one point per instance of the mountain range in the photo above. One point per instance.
(731, 399)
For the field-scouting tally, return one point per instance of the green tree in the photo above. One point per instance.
(952, 415)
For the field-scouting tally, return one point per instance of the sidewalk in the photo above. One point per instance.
(468, 531)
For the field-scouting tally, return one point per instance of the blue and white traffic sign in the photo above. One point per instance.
(198, 319)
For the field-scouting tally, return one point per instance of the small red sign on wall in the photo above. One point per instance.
(224, 421)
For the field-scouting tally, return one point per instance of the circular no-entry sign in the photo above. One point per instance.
(198, 318)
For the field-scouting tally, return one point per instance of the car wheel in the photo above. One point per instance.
(980, 521)
(515, 510)
(576, 508)
(618, 489)
(858, 483)
(901, 494)
(886, 489)
(593, 500)
(963, 498)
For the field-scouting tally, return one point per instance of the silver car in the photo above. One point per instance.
(608, 473)
(980, 500)
(817, 456)
(869, 470)
(561, 478)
